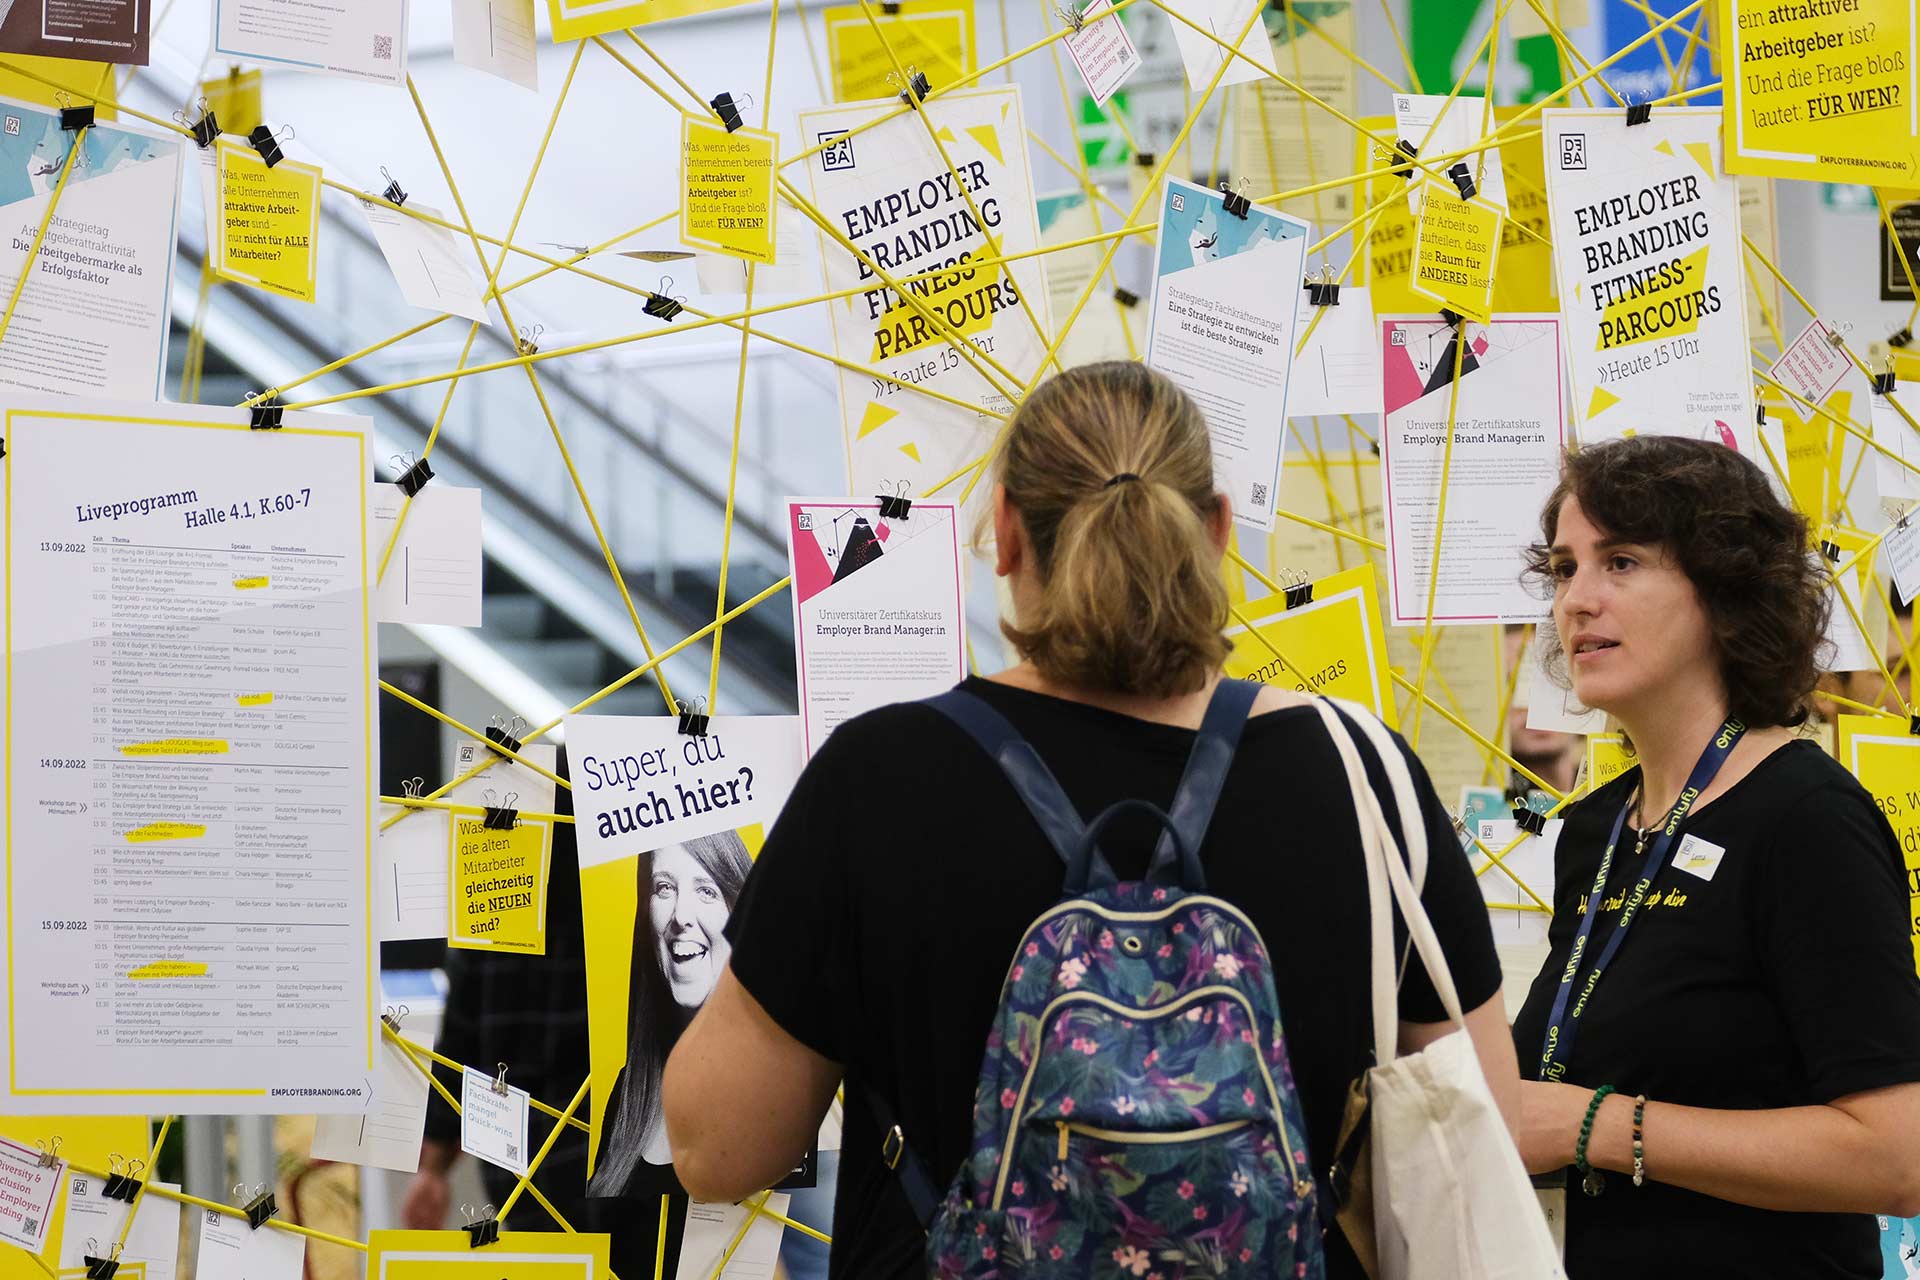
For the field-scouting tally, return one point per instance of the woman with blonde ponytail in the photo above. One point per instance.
(870, 944)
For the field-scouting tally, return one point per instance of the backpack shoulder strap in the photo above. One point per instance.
(1058, 820)
(1201, 784)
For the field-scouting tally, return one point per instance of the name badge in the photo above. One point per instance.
(1551, 1191)
(1698, 857)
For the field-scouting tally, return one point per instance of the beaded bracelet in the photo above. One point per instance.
(1592, 1181)
(1639, 1141)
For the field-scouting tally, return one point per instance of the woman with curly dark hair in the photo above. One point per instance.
(1720, 1056)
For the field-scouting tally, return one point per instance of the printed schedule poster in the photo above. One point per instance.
(877, 607)
(1646, 239)
(94, 315)
(1822, 90)
(524, 1255)
(1507, 433)
(364, 40)
(188, 761)
(887, 190)
(95, 30)
(1225, 290)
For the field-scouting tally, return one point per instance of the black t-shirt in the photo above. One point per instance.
(1785, 979)
(880, 918)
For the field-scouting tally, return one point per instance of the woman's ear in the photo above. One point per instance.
(1220, 523)
(1009, 536)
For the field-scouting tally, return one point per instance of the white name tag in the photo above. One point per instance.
(1698, 857)
(1553, 1207)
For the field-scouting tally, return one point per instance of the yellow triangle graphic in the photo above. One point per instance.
(1664, 146)
(989, 139)
(876, 417)
(1602, 401)
(1577, 286)
(911, 450)
(1702, 155)
(946, 134)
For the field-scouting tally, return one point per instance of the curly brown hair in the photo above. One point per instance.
(1745, 552)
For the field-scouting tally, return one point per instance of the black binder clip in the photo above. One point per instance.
(1324, 292)
(1451, 316)
(1534, 824)
(99, 1268)
(415, 477)
(1299, 593)
(392, 1017)
(528, 343)
(1902, 339)
(1124, 296)
(889, 8)
(49, 1151)
(1830, 549)
(1403, 168)
(1913, 724)
(501, 817)
(258, 1208)
(1462, 176)
(660, 305)
(1884, 383)
(1639, 113)
(728, 110)
(1236, 202)
(267, 143)
(205, 127)
(1759, 415)
(116, 1174)
(392, 194)
(129, 1182)
(917, 87)
(1143, 159)
(265, 415)
(481, 1228)
(693, 723)
(895, 506)
(73, 119)
(501, 735)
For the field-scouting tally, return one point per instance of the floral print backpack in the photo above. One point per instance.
(1136, 1115)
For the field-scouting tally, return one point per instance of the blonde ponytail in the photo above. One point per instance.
(1110, 468)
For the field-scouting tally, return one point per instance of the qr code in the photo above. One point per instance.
(803, 521)
(383, 48)
(837, 152)
(1259, 495)
(31, 1226)
(513, 1151)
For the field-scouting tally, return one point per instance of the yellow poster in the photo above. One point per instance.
(81, 82)
(87, 1140)
(1524, 281)
(1455, 244)
(234, 100)
(269, 218)
(1822, 90)
(1607, 759)
(578, 19)
(1335, 645)
(726, 189)
(524, 1255)
(1885, 757)
(933, 38)
(499, 883)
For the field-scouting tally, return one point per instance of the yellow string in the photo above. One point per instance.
(46, 220)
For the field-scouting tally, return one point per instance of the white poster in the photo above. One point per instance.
(1647, 249)
(1225, 302)
(878, 609)
(189, 719)
(1507, 439)
(1113, 324)
(434, 270)
(889, 192)
(639, 783)
(497, 37)
(365, 40)
(1437, 128)
(95, 312)
(1203, 50)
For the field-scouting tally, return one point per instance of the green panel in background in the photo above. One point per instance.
(1439, 32)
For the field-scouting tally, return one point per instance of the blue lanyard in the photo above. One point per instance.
(1562, 1023)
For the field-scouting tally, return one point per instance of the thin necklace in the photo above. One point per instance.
(1640, 833)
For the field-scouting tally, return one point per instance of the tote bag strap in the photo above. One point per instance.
(1388, 878)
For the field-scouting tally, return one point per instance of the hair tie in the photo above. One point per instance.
(1123, 476)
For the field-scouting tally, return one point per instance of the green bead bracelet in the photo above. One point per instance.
(1592, 1181)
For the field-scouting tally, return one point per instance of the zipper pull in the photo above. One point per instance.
(1063, 1140)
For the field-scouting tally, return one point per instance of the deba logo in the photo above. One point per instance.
(1573, 151)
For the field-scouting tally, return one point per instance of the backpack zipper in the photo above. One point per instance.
(1143, 1136)
(1133, 917)
(1303, 1187)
